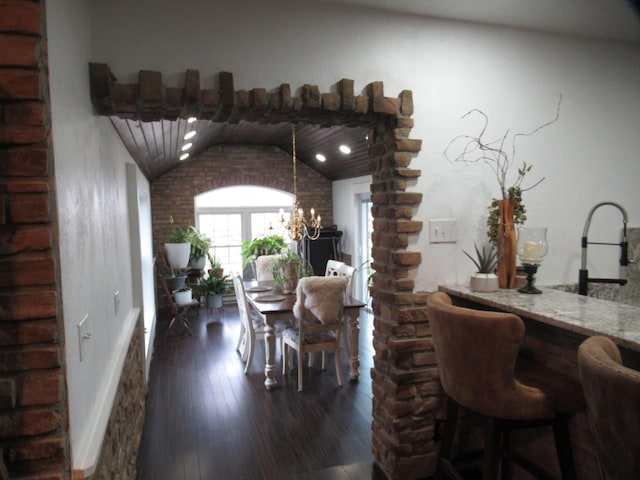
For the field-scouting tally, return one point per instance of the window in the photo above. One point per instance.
(231, 215)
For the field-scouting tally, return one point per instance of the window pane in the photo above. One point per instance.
(225, 231)
(264, 224)
(243, 196)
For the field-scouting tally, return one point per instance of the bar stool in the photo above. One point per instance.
(477, 354)
(612, 392)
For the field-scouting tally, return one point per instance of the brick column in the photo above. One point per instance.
(405, 379)
(33, 418)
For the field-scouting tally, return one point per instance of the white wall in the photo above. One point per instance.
(89, 164)
(588, 156)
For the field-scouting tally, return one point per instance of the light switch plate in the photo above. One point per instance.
(443, 230)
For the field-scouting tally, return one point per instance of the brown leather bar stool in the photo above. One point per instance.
(612, 393)
(477, 354)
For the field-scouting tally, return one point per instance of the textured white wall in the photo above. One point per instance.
(588, 156)
(94, 233)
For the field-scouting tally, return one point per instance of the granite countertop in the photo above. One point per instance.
(585, 315)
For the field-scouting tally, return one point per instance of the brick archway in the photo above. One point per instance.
(404, 374)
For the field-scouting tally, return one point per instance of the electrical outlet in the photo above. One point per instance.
(83, 334)
(443, 230)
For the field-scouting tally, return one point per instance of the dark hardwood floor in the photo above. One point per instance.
(206, 419)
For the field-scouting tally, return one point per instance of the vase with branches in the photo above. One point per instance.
(508, 210)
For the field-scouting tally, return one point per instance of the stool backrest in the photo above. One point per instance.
(476, 353)
(612, 393)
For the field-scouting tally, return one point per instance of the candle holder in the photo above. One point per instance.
(532, 246)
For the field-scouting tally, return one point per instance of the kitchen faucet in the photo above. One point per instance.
(584, 279)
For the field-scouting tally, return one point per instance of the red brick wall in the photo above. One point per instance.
(172, 194)
(33, 416)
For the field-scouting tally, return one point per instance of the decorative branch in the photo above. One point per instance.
(492, 153)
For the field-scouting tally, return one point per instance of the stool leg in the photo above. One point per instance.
(563, 447)
(446, 447)
(492, 449)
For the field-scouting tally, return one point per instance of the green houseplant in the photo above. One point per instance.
(269, 245)
(199, 247)
(213, 288)
(486, 261)
(288, 270)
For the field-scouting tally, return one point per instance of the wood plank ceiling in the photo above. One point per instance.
(156, 146)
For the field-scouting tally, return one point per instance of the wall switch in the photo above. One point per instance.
(83, 334)
(116, 302)
(443, 230)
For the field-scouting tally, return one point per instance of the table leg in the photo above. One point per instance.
(354, 338)
(270, 353)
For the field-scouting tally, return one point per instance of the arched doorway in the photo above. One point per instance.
(404, 386)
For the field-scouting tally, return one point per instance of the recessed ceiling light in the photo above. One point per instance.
(191, 119)
(344, 149)
(320, 157)
(190, 134)
(187, 146)
(184, 156)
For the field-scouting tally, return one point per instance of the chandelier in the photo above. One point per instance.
(297, 226)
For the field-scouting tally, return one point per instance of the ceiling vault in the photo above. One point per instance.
(152, 119)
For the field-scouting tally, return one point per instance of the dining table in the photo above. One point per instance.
(274, 305)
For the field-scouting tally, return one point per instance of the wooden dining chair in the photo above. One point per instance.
(253, 326)
(264, 267)
(318, 312)
(333, 268)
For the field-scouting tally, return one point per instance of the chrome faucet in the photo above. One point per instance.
(584, 279)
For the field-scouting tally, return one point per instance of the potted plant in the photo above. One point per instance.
(178, 248)
(288, 269)
(176, 278)
(182, 295)
(213, 288)
(486, 261)
(269, 245)
(509, 210)
(199, 247)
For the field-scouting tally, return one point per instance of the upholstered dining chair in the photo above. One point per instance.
(252, 324)
(612, 393)
(477, 356)
(318, 312)
(264, 267)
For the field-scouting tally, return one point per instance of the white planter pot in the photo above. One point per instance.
(483, 282)
(182, 297)
(198, 264)
(215, 301)
(178, 254)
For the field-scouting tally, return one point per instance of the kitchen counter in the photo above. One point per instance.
(585, 316)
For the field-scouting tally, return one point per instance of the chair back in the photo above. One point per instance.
(348, 272)
(476, 353)
(320, 300)
(241, 299)
(612, 393)
(264, 267)
(333, 268)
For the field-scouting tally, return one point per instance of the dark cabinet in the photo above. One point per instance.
(327, 246)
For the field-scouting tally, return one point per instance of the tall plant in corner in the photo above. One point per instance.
(508, 210)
